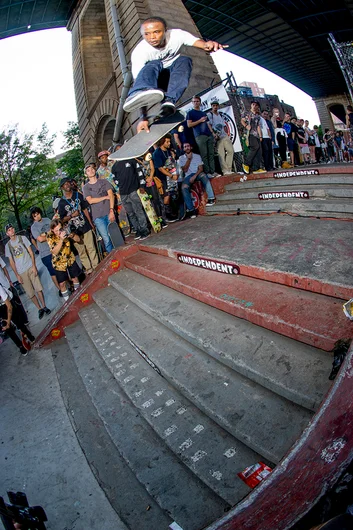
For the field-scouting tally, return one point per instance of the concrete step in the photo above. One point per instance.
(316, 320)
(339, 208)
(289, 368)
(160, 484)
(264, 421)
(180, 426)
(314, 192)
(321, 181)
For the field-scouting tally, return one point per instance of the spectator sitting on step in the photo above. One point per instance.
(224, 146)
(64, 261)
(10, 316)
(250, 120)
(204, 136)
(39, 228)
(23, 263)
(126, 176)
(100, 195)
(192, 166)
(156, 55)
(73, 211)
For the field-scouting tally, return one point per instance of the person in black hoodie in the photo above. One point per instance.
(126, 176)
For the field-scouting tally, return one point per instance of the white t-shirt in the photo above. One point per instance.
(264, 128)
(4, 295)
(144, 52)
(3, 280)
(217, 124)
(20, 256)
(196, 161)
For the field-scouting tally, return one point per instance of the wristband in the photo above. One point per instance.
(111, 209)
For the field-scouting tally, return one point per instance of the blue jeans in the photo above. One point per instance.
(185, 188)
(180, 71)
(101, 224)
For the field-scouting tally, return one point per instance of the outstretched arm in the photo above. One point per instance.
(209, 46)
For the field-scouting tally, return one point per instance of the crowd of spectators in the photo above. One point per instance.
(274, 142)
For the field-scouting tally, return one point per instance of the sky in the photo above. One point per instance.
(37, 82)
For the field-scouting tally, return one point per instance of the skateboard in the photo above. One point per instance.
(115, 235)
(123, 218)
(139, 144)
(150, 211)
(25, 342)
(98, 242)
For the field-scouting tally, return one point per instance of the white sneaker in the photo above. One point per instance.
(143, 98)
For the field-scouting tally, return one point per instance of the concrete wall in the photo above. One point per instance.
(97, 74)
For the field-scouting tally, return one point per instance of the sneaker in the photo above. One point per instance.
(40, 314)
(171, 219)
(164, 225)
(246, 169)
(210, 175)
(23, 351)
(245, 178)
(145, 235)
(167, 108)
(210, 202)
(143, 98)
(260, 171)
(191, 214)
(137, 236)
(60, 293)
(216, 175)
(46, 310)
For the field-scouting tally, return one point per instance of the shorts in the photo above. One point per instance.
(74, 271)
(31, 283)
(304, 149)
(48, 263)
(291, 144)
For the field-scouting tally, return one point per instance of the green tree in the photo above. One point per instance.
(26, 171)
(71, 163)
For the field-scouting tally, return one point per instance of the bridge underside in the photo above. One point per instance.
(288, 37)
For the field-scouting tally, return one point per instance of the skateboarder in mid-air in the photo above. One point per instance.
(158, 52)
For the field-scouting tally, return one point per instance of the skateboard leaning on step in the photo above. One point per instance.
(139, 144)
(115, 235)
(150, 211)
(123, 218)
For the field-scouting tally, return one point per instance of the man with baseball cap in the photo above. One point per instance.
(73, 211)
(23, 262)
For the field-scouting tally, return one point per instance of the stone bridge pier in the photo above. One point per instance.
(97, 74)
(335, 104)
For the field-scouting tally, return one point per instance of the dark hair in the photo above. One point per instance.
(35, 210)
(326, 130)
(349, 107)
(196, 97)
(155, 19)
(254, 103)
(54, 223)
(162, 140)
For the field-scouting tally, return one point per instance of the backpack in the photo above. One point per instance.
(22, 243)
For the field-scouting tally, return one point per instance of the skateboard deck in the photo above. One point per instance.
(115, 235)
(25, 342)
(150, 211)
(123, 218)
(139, 144)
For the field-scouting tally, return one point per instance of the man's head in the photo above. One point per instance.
(103, 157)
(300, 122)
(36, 213)
(10, 230)
(287, 116)
(153, 31)
(316, 128)
(293, 120)
(56, 226)
(265, 114)
(306, 123)
(165, 141)
(349, 108)
(215, 106)
(255, 107)
(275, 111)
(196, 101)
(187, 148)
(65, 184)
(90, 171)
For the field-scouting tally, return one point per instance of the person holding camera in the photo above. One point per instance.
(63, 259)
(11, 316)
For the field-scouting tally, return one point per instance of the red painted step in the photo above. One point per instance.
(317, 320)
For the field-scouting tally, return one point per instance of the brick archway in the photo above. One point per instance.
(103, 123)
